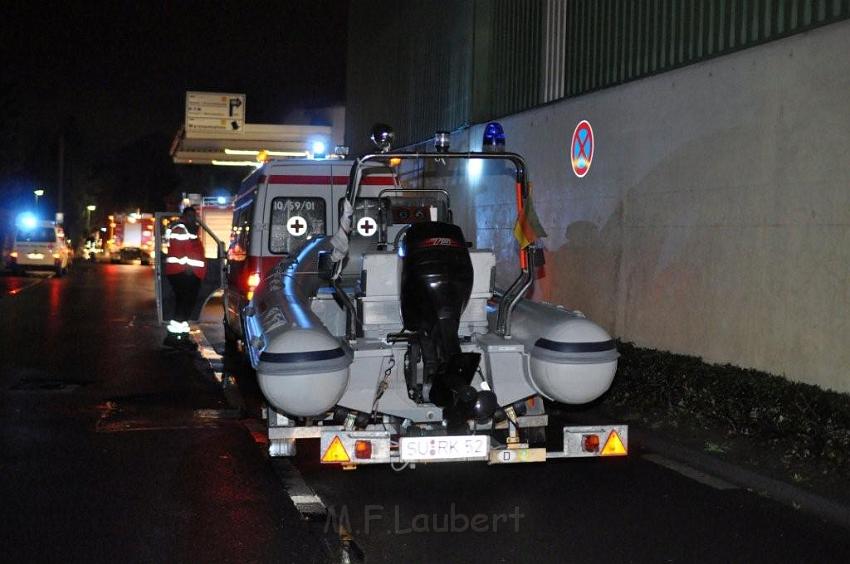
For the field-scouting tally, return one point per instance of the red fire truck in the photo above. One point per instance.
(130, 238)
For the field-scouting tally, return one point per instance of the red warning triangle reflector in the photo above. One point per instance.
(336, 452)
(614, 446)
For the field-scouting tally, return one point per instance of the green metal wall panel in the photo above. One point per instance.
(613, 41)
(515, 51)
(409, 65)
(424, 65)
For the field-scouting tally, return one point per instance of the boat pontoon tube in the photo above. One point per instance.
(302, 369)
(572, 359)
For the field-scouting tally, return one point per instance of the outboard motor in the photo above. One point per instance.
(436, 281)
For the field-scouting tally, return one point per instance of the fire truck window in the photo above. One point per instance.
(294, 221)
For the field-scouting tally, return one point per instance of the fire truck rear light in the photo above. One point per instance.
(590, 443)
(363, 449)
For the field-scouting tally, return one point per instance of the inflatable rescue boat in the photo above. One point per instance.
(400, 338)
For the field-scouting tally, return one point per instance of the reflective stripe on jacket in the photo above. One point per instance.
(184, 251)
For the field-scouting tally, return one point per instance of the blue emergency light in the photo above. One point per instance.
(27, 221)
(494, 138)
(318, 149)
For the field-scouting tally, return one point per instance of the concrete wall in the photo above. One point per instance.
(715, 220)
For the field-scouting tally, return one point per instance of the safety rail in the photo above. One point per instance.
(517, 289)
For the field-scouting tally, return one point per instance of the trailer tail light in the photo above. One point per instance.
(363, 449)
(614, 446)
(336, 452)
(352, 448)
(590, 443)
(595, 440)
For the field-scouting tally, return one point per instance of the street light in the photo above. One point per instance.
(89, 208)
(38, 193)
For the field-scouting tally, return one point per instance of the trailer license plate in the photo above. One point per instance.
(466, 447)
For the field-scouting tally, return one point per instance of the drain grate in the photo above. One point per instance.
(217, 413)
(127, 417)
(47, 385)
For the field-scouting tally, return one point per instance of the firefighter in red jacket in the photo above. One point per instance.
(185, 268)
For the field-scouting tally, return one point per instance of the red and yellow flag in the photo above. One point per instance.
(527, 228)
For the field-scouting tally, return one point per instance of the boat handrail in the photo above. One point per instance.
(523, 282)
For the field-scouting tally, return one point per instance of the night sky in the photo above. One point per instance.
(111, 77)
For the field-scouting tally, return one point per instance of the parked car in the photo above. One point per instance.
(40, 245)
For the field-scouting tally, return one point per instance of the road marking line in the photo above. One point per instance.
(312, 508)
(40, 280)
(306, 501)
(688, 472)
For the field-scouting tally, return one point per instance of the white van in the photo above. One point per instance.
(279, 208)
(40, 246)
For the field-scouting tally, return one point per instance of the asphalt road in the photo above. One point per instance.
(614, 510)
(112, 449)
(105, 455)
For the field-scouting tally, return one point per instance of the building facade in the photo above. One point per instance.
(715, 218)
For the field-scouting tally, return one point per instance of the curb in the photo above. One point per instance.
(340, 546)
(206, 350)
(772, 488)
(215, 362)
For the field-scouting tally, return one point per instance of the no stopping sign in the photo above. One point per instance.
(581, 148)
